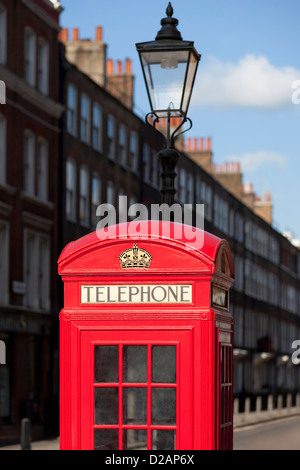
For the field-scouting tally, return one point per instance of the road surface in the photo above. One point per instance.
(283, 434)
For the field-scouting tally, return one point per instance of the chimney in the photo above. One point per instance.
(197, 152)
(89, 56)
(248, 196)
(98, 35)
(264, 207)
(64, 35)
(75, 37)
(119, 67)
(120, 84)
(128, 66)
(230, 177)
(109, 67)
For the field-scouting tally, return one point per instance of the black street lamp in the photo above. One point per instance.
(169, 67)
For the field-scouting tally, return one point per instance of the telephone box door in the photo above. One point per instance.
(136, 389)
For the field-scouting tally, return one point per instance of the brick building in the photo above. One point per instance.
(265, 297)
(106, 150)
(69, 141)
(29, 129)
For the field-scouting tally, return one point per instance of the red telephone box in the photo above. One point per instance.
(146, 341)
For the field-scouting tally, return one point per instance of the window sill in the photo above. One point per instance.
(99, 150)
(6, 187)
(72, 220)
(72, 133)
(124, 166)
(37, 200)
(84, 224)
(13, 307)
(85, 142)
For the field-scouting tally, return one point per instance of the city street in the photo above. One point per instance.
(283, 434)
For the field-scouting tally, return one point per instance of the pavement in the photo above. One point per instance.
(50, 444)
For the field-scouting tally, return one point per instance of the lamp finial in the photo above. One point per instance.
(169, 26)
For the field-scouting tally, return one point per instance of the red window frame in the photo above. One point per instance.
(146, 337)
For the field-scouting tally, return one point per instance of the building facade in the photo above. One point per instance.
(265, 297)
(29, 129)
(106, 152)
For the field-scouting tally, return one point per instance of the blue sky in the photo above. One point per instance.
(242, 97)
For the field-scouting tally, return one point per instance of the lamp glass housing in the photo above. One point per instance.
(169, 74)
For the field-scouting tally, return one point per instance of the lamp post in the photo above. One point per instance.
(169, 67)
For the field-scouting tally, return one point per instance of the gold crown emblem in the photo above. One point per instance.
(135, 258)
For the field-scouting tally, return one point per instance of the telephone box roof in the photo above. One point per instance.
(151, 231)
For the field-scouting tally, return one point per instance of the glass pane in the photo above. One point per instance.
(164, 406)
(163, 364)
(135, 405)
(189, 82)
(106, 439)
(135, 439)
(165, 74)
(135, 364)
(107, 405)
(106, 364)
(163, 439)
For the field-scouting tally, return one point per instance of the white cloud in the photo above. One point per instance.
(252, 82)
(252, 161)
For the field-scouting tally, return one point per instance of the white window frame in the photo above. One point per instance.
(29, 163)
(43, 272)
(42, 169)
(95, 197)
(72, 109)
(182, 186)
(85, 119)
(3, 34)
(97, 127)
(43, 66)
(208, 202)
(71, 190)
(111, 137)
(123, 145)
(154, 168)
(110, 198)
(36, 271)
(30, 264)
(4, 262)
(190, 188)
(2, 149)
(146, 163)
(110, 193)
(30, 56)
(122, 205)
(133, 151)
(84, 199)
